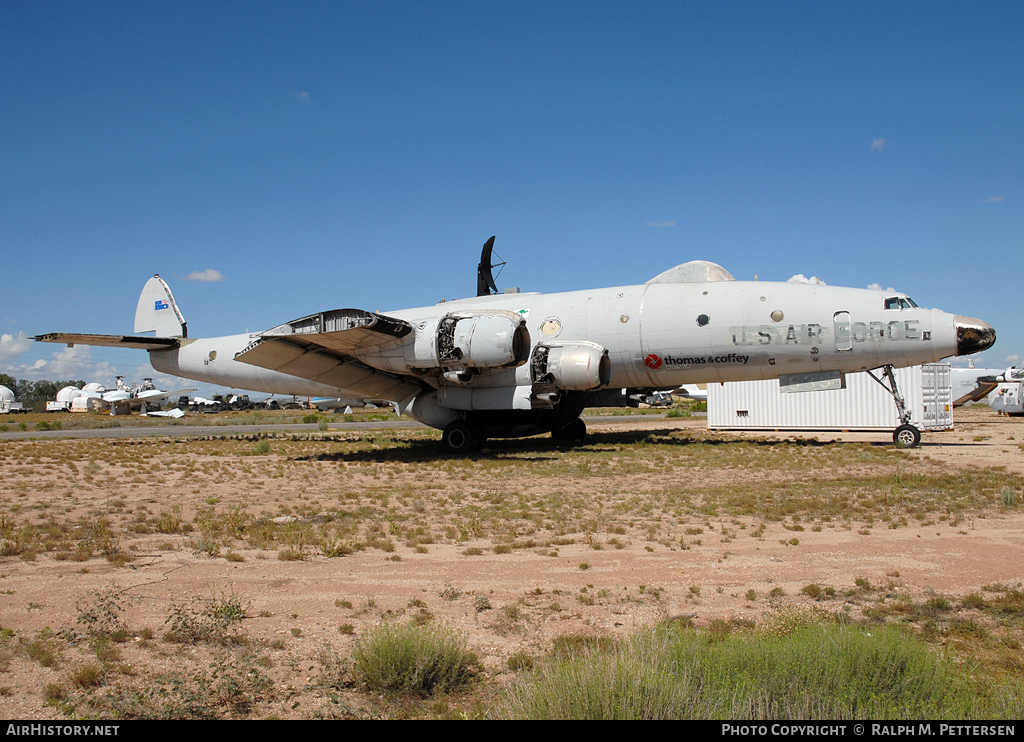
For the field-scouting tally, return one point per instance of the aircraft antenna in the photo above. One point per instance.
(485, 285)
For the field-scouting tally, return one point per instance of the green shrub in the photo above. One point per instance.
(814, 672)
(418, 660)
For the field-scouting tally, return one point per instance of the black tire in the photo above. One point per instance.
(906, 436)
(575, 432)
(461, 438)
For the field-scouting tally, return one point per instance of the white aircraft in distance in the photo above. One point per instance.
(518, 364)
(974, 384)
(121, 400)
(692, 391)
(124, 399)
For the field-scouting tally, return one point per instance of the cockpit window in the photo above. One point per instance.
(900, 302)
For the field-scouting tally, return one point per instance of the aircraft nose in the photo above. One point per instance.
(972, 335)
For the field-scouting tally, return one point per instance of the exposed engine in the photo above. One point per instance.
(579, 366)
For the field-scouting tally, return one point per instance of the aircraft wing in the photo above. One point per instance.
(324, 347)
(173, 412)
(984, 386)
(157, 395)
(112, 341)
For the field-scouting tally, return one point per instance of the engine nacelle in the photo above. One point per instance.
(472, 340)
(579, 366)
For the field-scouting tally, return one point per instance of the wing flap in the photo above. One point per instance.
(140, 342)
(324, 347)
(327, 367)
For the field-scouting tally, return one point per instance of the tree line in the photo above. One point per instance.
(27, 392)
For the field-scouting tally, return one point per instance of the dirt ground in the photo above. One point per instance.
(506, 601)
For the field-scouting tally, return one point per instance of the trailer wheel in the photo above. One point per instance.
(906, 436)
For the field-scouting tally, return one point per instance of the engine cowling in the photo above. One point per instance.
(579, 366)
(493, 340)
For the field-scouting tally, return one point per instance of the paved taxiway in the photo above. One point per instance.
(130, 431)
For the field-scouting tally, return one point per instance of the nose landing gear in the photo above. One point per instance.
(906, 435)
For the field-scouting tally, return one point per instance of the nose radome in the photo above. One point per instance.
(972, 335)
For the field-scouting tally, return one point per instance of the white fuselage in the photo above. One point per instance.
(668, 334)
(658, 335)
(212, 360)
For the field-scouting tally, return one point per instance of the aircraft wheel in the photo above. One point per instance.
(575, 431)
(461, 438)
(906, 436)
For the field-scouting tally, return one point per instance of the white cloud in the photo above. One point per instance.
(801, 278)
(877, 145)
(1012, 358)
(71, 363)
(302, 96)
(878, 287)
(209, 275)
(670, 223)
(12, 346)
(995, 200)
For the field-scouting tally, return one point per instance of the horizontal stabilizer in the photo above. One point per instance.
(109, 341)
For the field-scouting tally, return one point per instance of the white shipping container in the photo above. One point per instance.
(863, 405)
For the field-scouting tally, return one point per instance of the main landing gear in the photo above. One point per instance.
(906, 435)
(574, 432)
(461, 438)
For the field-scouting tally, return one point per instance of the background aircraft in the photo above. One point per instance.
(517, 364)
(974, 384)
(120, 400)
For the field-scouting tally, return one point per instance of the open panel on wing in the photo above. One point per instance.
(324, 347)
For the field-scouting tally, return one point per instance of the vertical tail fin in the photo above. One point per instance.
(158, 312)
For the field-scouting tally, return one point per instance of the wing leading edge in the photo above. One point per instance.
(324, 347)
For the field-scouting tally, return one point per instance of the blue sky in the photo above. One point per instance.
(322, 155)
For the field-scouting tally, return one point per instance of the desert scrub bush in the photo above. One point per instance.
(212, 623)
(99, 617)
(418, 660)
(821, 671)
(234, 684)
(44, 648)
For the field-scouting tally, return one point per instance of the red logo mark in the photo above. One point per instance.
(652, 361)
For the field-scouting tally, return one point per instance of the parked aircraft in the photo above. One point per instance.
(692, 391)
(124, 399)
(974, 384)
(120, 400)
(518, 364)
(1008, 396)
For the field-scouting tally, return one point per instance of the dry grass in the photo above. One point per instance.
(316, 497)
